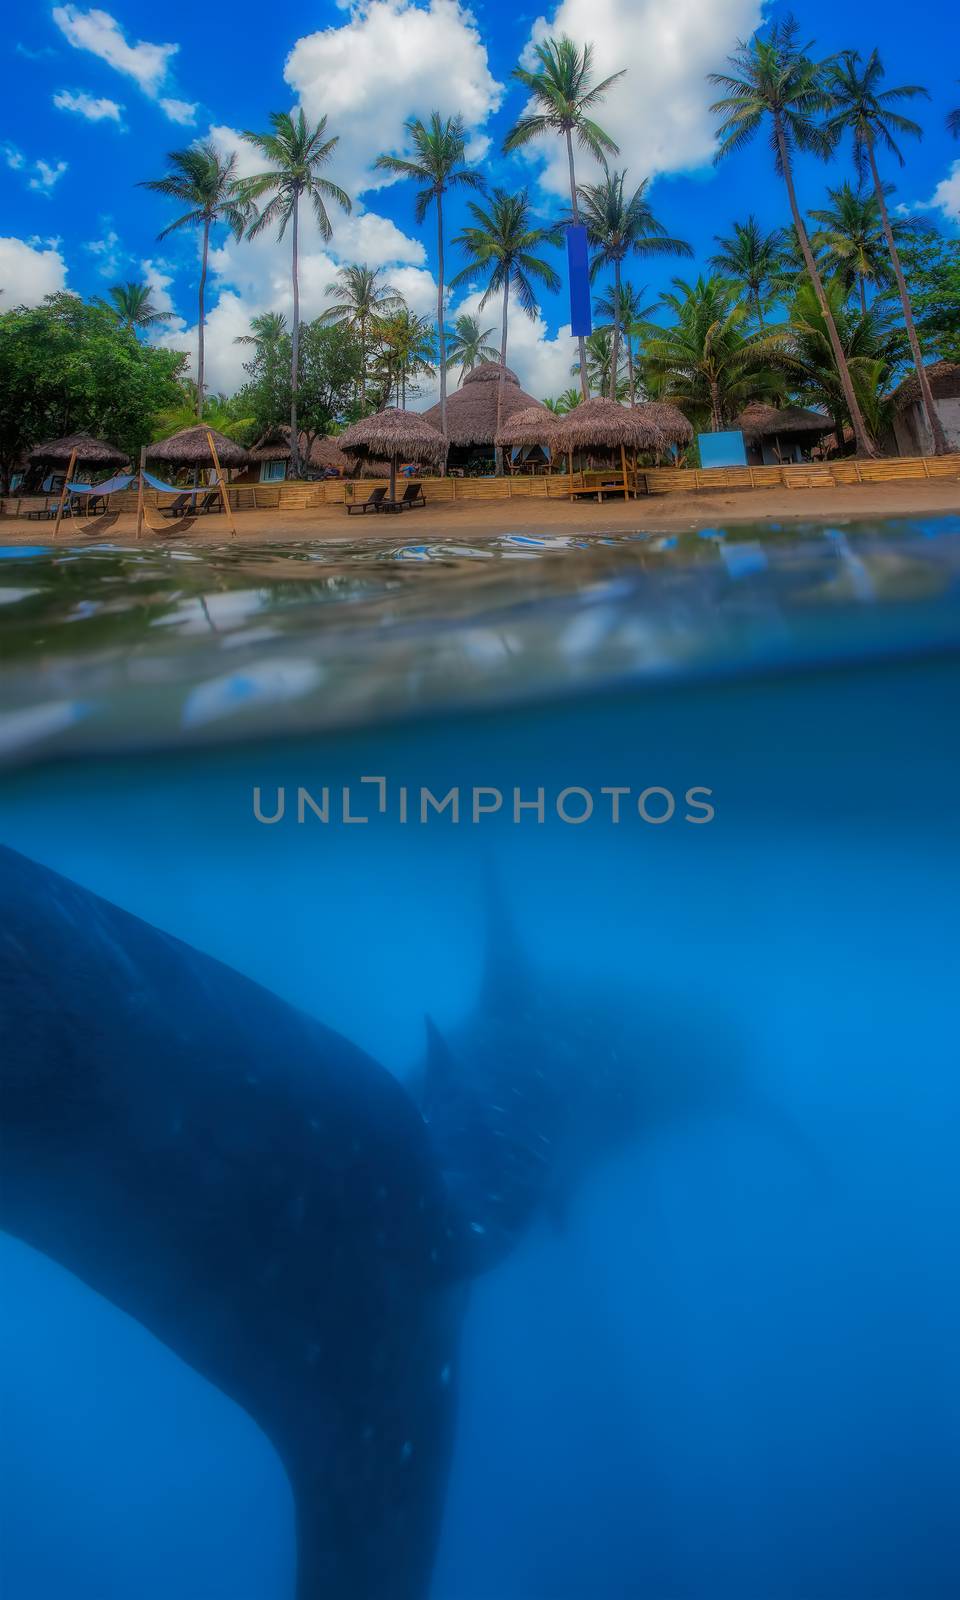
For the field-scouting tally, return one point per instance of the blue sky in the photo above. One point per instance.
(96, 97)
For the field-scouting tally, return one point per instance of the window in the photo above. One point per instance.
(273, 471)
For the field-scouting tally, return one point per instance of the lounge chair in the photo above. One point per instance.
(373, 502)
(210, 502)
(412, 496)
(178, 507)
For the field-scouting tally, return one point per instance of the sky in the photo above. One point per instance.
(94, 99)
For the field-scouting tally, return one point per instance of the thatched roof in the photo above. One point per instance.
(605, 425)
(394, 433)
(472, 409)
(532, 426)
(759, 421)
(324, 452)
(90, 452)
(189, 448)
(944, 377)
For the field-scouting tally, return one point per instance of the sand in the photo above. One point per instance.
(466, 521)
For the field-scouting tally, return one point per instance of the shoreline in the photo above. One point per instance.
(446, 521)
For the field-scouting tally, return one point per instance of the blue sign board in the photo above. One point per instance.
(722, 449)
(578, 265)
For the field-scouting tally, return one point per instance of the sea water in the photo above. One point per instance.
(716, 780)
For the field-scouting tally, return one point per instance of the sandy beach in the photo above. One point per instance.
(492, 518)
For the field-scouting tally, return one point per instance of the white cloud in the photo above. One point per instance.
(46, 175)
(107, 250)
(147, 64)
(392, 59)
(15, 159)
(223, 358)
(159, 283)
(945, 197)
(182, 111)
(659, 112)
(97, 109)
(27, 273)
(366, 236)
(541, 360)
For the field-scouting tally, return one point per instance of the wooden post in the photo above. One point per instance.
(223, 488)
(143, 462)
(623, 464)
(570, 473)
(63, 492)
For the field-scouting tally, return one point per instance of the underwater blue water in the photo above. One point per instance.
(726, 1369)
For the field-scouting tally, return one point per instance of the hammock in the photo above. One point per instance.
(173, 488)
(111, 486)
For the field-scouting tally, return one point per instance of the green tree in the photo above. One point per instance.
(775, 79)
(266, 329)
(469, 345)
(67, 367)
(861, 107)
(752, 259)
(502, 243)
(633, 316)
(131, 306)
(707, 361)
(228, 414)
(849, 241)
(205, 181)
(600, 371)
(407, 352)
(931, 265)
(564, 93)
(296, 151)
(362, 298)
(874, 346)
(437, 165)
(619, 225)
(266, 393)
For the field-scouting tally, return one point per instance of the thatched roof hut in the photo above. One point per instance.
(606, 425)
(91, 452)
(322, 453)
(534, 425)
(760, 421)
(189, 448)
(472, 409)
(944, 380)
(397, 435)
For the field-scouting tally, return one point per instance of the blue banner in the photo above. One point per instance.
(578, 266)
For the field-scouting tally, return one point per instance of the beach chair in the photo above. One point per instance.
(412, 496)
(373, 502)
(179, 507)
(211, 502)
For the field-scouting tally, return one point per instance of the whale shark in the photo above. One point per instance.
(291, 1220)
(253, 1189)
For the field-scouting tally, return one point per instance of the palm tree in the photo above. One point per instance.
(849, 240)
(707, 361)
(633, 315)
(751, 259)
(206, 181)
(568, 401)
(860, 107)
(265, 330)
(501, 245)
(439, 150)
(469, 345)
(953, 123)
(296, 152)
(131, 307)
(563, 93)
(618, 226)
(363, 298)
(600, 370)
(407, 350)
(873, 343)
(776, 78)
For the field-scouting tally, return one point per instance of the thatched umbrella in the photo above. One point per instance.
(189, 448)
(396, 435)
(472, 410)
(88, 451)
(606, 425)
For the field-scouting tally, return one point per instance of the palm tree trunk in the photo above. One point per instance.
(295, 347)
(203, 286)
(715, 405)
(615, 360)
(861, 285)
(940, 446)
(757, 302)
(864, 445)
(628, 337)
(498, 452)
(575, 208)
(363, 367)
(441, 335)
